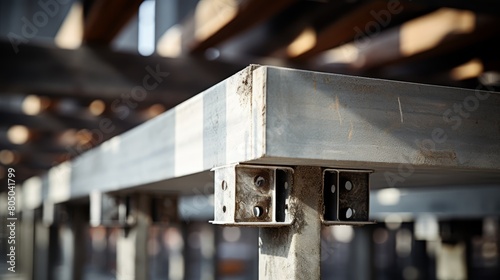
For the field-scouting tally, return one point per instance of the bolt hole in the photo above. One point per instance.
(224, 185)
(257, 211)
(259, 181)
(286, 206)
(224, 209)
(332, 189)
(349, 213)
(348, 185)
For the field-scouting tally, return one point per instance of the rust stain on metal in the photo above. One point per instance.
(433, 157)
(244, 89)
(254, 191)
(311, 197)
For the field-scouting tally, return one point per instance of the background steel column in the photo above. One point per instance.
(132, 253)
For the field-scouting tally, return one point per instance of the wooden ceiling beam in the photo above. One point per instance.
(367, 18)
(215, 21)
(491, 7)
(461, 68)
(100, 73)
(428, 36)
(339, 31)
(105, 19)
(273, 36)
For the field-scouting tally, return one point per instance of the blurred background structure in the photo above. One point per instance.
(68, 82)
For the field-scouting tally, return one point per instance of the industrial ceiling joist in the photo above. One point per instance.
(215, 21)
(105, 19)
(101, 73)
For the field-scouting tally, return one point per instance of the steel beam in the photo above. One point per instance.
(409, 134)
(454, 202)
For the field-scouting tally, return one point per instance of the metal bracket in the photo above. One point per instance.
(346, 197)
(110, 210)
(251, 195)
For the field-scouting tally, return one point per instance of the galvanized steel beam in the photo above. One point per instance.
(409, 134)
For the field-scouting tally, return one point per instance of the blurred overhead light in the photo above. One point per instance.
(469, 70)
(490, 78)
(70, 33)
(343, 234)
(304, 42)
(32, 105)
(169, 44)
(155, 110)
(84, 137)
(97, 107)
(426, 227)
(210, 16)
(146, 44)
(18, 134)
(393, 221)
(68, 138)
(390, 196)
(428, 31)
(345, 54)
(7, 157)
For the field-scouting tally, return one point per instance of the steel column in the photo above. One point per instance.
(79, 229)
(27, 243)
(294, 252)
